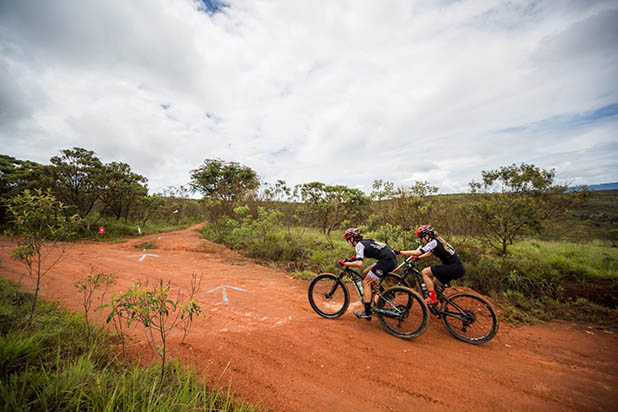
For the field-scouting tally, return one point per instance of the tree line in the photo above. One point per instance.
(91, 189)
(505, 205)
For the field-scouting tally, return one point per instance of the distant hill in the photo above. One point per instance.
(599, 187)
(604, 186)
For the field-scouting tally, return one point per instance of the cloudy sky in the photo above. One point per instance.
(340, 91)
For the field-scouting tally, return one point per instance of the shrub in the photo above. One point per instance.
(304, 275)
(146, 246)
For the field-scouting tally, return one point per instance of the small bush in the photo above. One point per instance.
(304, 275)
(146, 246)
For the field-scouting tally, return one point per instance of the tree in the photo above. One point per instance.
(16, 176)
(77, 175)
(180, 192)
(147, 206)
(278, 192)
(514, 201)
(121, 189)
(403, 206)
(226, 181)
(330, 206)
(40, 223)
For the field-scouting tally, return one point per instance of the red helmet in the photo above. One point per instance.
(352, 233)
(424, 230)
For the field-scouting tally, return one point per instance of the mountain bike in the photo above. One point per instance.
(401, 310)
(468, 317)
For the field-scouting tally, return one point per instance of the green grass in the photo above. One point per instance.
(304, 275)
(585, 260)
(597, 218)
(517, 309)
(53, 367)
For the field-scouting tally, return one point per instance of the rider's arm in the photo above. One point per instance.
(416, 252)
(355, 264)
(423, 251)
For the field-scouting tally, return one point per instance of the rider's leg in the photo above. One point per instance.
(428, 279)
(369, 283)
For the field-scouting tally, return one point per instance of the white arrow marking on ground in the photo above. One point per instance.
(224, 292)
(144, 256)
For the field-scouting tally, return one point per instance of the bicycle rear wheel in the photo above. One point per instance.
(328, 296)
(469, 318)
(402, 312)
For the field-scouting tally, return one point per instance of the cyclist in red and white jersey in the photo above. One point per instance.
(451, 267)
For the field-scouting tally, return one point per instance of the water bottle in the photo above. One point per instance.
(359, 285)
(424, 289)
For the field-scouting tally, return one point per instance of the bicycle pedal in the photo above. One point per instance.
(433, 308)
(362, 315)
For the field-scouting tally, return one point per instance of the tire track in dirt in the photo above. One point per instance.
(271, 347)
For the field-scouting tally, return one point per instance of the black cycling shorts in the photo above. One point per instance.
(446, 273)
(384, 266)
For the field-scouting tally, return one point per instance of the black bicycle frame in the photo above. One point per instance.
(356, 277)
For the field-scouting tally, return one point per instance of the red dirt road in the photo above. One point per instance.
(273, 348)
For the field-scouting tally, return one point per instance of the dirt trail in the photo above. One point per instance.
(263, 337)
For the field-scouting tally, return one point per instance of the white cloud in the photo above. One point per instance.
(340, 92)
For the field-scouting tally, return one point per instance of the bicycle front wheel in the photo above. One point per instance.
(402, 312)
(328, 296)
(469, 318)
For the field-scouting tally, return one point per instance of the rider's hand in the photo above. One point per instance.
(397, 251)
(413, 257)
(341, 262)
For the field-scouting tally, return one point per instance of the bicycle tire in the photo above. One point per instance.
(413, 319)
(480, 323)
(324, 297)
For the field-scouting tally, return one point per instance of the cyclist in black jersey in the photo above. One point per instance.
(451, 268)
(371, 249)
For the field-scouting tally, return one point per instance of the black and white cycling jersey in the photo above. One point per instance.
(446, 254)
(374, 250)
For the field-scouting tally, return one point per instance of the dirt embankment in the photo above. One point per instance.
(260, 334)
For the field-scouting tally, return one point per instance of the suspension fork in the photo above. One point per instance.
(336, 284)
